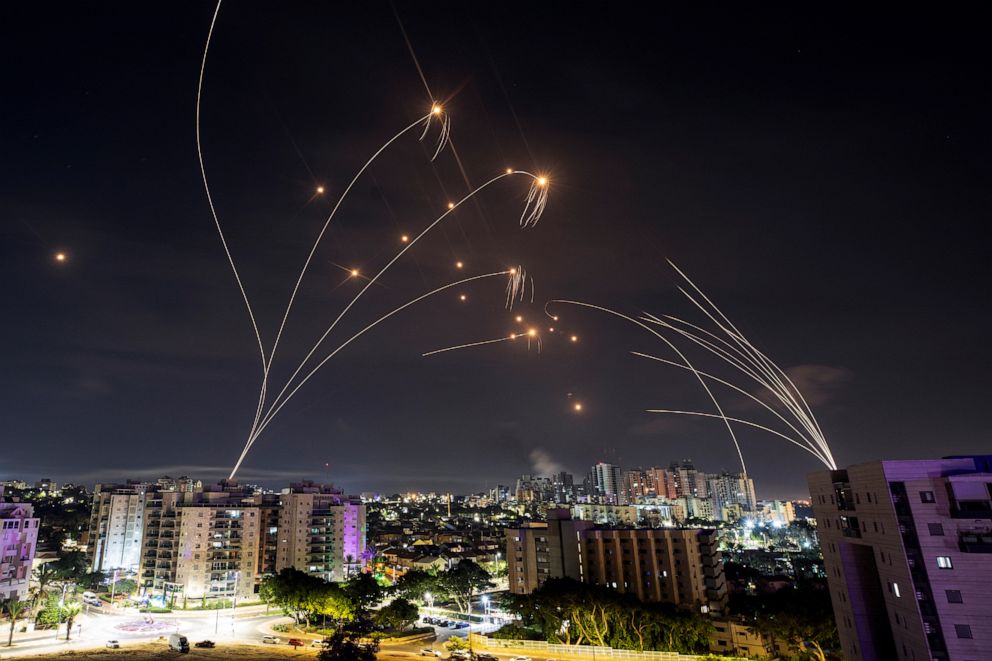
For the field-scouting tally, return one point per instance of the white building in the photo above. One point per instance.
(117, 525)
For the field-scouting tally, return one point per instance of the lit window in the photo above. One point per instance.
(894, 588)
(944, 562)
(927, 497)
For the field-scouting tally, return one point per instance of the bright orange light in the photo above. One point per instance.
(519, 318)
(577, 406)
(60, 257)
(532, 332)
(551, 330)
(354, 273)
(436, 110)
(320, 190)
(463, 297)
(513, 271)
(555, 317)
(542, 181)
(405, 238)
(458, 265)
(509, 170)
(451, 205)
(574, 338)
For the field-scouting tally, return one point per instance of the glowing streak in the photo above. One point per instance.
(473, 344)
(273, 411)
(306, 265)
(537, 199)
(674, 348)
(739, 421)
(746, 394)
(213, 211)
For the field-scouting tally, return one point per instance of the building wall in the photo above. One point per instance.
(528, 560)
(217, 551)
(882, 527)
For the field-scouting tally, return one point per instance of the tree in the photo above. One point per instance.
(126, 586)
(44, 575)
(414, 584)
(345, 646)
(363, 590)
(456, 643)
(13, 607)
(69, 612)
(803, 618)
(397, 614)
(462, 581)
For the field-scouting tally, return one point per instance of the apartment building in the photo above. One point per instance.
(18, 543)
(117, 526)
(907, 548)
(540, 550)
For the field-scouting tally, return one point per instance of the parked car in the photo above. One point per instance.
(295, 642)
(463, 625)
(179, 643)
(270, 639)
(208, 644)
(520, 658)
(427, 651)
(320, 642)
(441, 623)
(486, 656)
(460, 654)
(114, 644)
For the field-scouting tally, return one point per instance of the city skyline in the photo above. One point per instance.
(750, 162)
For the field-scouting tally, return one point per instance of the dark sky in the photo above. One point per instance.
(822, 173)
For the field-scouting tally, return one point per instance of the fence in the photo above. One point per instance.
(590, 652)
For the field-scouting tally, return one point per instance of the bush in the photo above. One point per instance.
(281, 628)
(516, 631)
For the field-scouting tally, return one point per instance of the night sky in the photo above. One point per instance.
(823, 175)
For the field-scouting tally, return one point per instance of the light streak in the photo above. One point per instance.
(469, 345)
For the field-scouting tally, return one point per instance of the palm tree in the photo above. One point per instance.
(13, 607)
(44, 575)
(70, 610)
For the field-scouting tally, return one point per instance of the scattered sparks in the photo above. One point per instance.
(517, 286)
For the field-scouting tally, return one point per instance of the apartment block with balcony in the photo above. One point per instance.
(18, 543)
(907, 548)
(117, 526)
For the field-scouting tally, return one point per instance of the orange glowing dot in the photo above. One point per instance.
(519, 318)
(463, 297)
(458, 265)
(513, 271)
(354, 273)
(542, 181)
(320, 190)
(509, 170)
(436, 110)
(60, 257)
(574, 338)
(451, 205)
(404, 238)
(555, 317)
(551, 330)
(577, 406)
(532, 332)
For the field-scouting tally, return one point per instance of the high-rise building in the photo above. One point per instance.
(635, 484)
(731, 492)
(687, 481)
(676, 566)
(563, 485)
(117, 525)
(907, 547)
(18, 543)
(320, 531)
(606, 482)
(540, 550)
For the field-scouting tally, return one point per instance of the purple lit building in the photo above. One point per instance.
(907, 548)
(18, 541)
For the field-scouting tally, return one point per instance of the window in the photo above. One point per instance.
(936, 529)
(944, 562)
(927, 497)
(954, 597)
(894, 588)
(962, 630)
